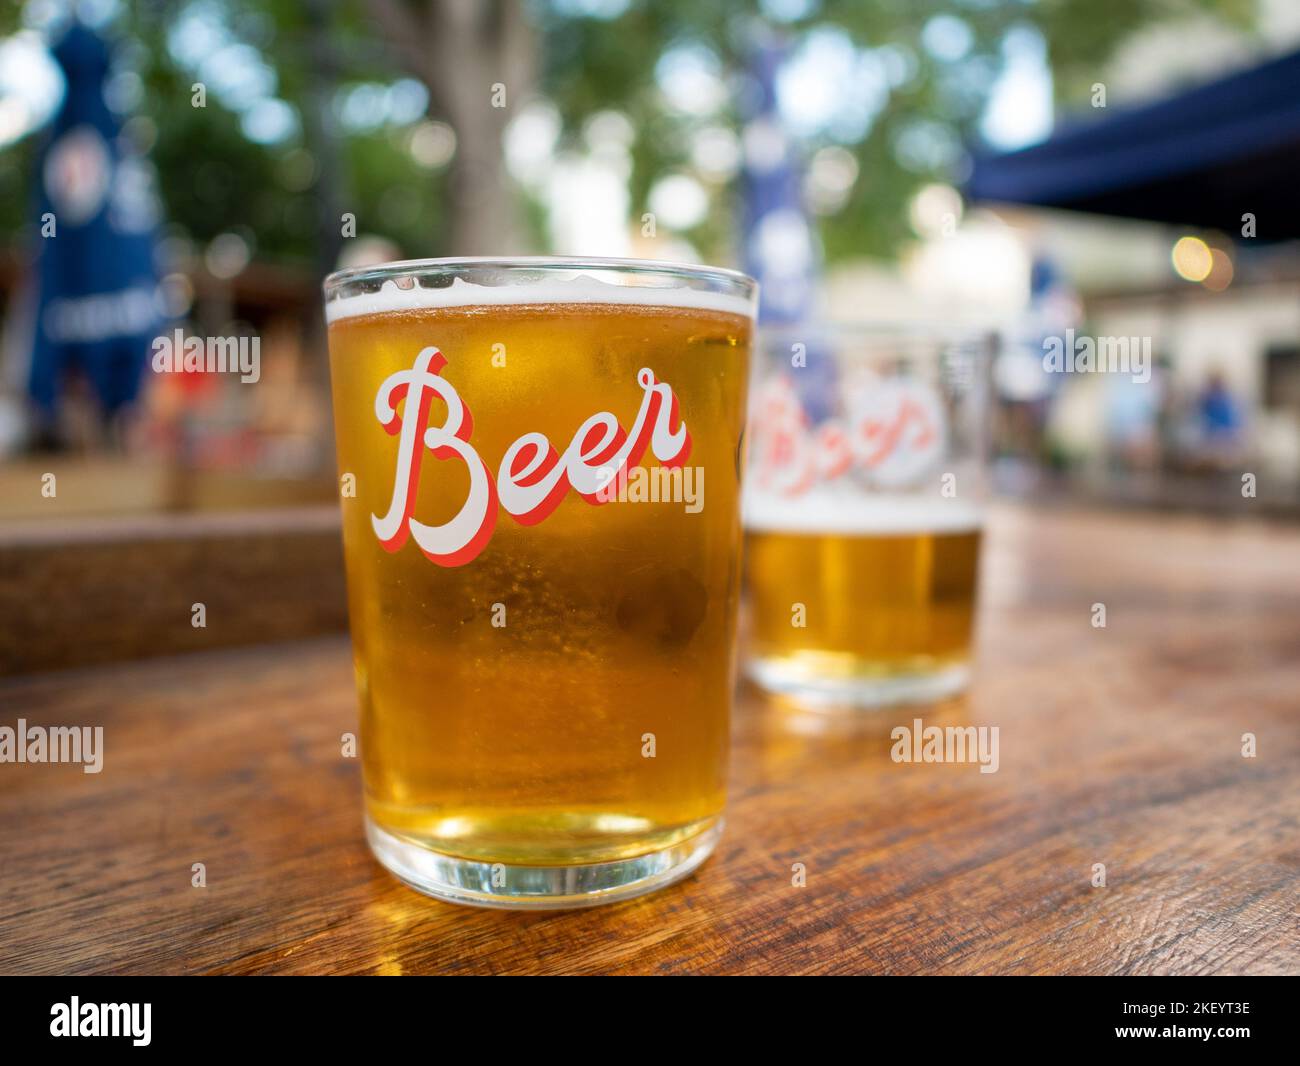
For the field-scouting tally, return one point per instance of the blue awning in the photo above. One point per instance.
(1203, 158)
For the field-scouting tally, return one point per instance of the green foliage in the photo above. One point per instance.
(594, 64)
(213, 177)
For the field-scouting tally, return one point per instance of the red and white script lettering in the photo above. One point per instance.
(892, 432)
(533, 477)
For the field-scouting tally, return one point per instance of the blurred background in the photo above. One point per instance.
(1120, 168)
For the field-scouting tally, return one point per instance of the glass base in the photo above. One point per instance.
(860, 691)
(531, 888)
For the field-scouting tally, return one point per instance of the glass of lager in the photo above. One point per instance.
(863, 509)
(539, 461)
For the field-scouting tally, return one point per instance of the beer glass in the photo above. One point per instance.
(863, 509)
(540, 472)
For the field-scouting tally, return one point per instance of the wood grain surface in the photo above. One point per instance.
(1120, 746)
(79, 592)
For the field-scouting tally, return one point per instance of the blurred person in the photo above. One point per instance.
(1220, 422)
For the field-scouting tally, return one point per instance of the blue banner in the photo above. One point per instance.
(98, 299)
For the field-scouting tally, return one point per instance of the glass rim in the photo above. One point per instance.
(735, 282)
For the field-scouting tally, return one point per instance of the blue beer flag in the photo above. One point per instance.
(98, 303)
(781, 247)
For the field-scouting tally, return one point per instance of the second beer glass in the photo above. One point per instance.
(863, 513)
(542, 547)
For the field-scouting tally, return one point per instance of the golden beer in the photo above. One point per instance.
(861, 606)
(545, 708)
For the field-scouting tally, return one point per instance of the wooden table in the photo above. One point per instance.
(1120, 746)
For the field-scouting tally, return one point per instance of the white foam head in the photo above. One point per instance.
(580, 289)
(859, 513)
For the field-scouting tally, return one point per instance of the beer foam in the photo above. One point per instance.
(859, 514)
(583, 289)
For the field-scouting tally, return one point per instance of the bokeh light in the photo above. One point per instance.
(936, 209)
(1192, 259)
(1221, 271)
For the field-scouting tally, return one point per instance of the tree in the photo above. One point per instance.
(475, 57)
